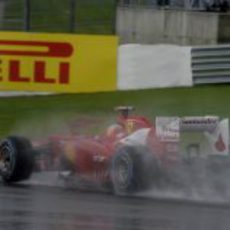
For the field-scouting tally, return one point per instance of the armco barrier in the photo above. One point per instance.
(71, 63)
(211, 64)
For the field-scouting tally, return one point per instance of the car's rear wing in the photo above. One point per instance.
(209, 132)
(199, 124)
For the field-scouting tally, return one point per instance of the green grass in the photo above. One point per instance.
(25, 115)
(92, 16)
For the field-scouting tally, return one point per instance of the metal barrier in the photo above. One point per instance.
(211, 64)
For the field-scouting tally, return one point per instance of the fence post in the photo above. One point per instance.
(72, 18)
(27, 18)
(114, 28)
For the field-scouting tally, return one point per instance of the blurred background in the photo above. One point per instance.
(141, 21)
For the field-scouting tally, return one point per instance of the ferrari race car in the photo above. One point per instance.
(131, 155)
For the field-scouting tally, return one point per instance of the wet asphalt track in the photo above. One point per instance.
(48, 208)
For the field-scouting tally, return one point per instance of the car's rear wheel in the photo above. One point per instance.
(16, 159)
(133, 169)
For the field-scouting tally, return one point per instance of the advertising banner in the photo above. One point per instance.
(57, 62)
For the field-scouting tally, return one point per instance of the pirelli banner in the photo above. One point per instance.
(57, 62)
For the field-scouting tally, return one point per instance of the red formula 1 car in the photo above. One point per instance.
(131, 155)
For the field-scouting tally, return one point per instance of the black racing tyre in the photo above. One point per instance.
(16, 159)
(133, 169)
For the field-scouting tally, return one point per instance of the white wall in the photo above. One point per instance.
(153, 66)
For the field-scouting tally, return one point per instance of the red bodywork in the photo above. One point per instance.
(91, 156)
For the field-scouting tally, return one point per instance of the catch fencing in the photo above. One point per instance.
(63, 16)
(85, 16)
(211, 64)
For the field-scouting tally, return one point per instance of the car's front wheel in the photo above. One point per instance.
(16, 159)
